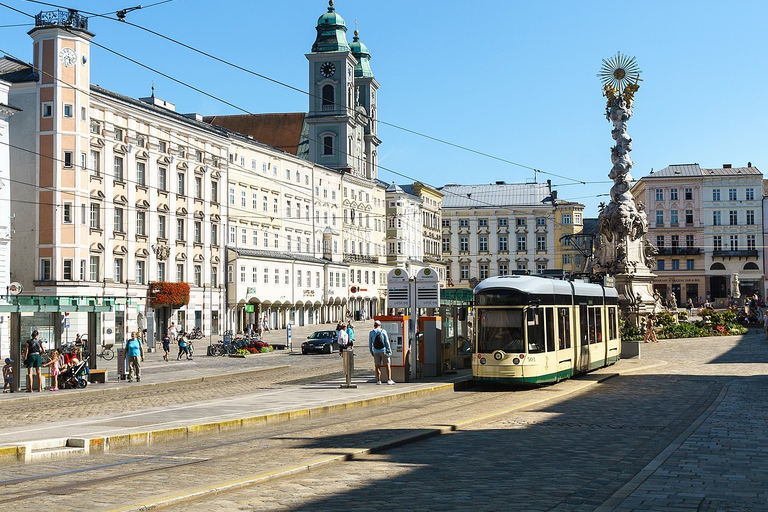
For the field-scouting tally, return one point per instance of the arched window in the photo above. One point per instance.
(717, 266)
(751, 266)
(328, 99)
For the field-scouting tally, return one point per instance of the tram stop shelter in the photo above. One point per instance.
(50, 316)
(456, 313)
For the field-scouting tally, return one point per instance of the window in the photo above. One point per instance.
(47, 109)
(69, 159)
(566, 218)
(275, 209)
(541, 243)
(287, 277)
(463, 223)
(446, 244)
(95, 128)
(732, 196)
(140, 272)
(521, 243)
(327, 145)
(179, 229)
(214, 191)
(141, 141)
(659, 194)
(503, 269)
(94, 268)
(118, 169)
(141, 178)
(161, 271)
(673, 218)
(288, 209)
(750, 217)
(161, 226)
(541, 221)
(95, 163)
(118, 270)
(118, 220)
(733, 217)
(659, 217)
(67, 270)
(577, 218)
(198, 187)
(317, 280)
(540, 267)
(179, 272)
(750, 194)
(95, 221)
(180, 178)
(215, 234)
(688, 264)
(119, 134)
(83, 161)
(243, 199)
(675, 264)
(482, 243)
(660, 241)
(198, 232)
(45, 269)
(503, 244)
(82, 270)
(673, 194)
(464, 272)
(198, 279)
(522, 265)
(688, 217)
(750, 242)
(717, 243)
(675, 241)
(689, 241)
(734, 242)
(328, 97)
(483, 223)
(162, 179)
(716, 194)
(277, 241)
(660, 265)
(502, 223)
(689, 194)
(464, 243)
(141, 223)
(446, 223)
(567, 259)
(215, 277)
(243, 236)
(716, 220)
(277, 276)
(483, 271)
(232, 196)
(66, 213)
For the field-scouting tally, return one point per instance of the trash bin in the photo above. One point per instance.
(348, 360)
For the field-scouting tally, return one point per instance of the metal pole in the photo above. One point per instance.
(412, 328)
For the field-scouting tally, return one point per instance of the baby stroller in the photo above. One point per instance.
(75, 376)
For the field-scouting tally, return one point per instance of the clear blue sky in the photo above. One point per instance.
(516, 80)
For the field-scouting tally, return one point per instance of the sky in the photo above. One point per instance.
(471, 92)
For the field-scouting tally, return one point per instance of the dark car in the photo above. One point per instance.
(324, 342)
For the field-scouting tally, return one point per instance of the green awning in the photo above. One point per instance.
(56, 304)
(456, 297)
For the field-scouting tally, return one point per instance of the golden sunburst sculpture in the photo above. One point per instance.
(619, 72)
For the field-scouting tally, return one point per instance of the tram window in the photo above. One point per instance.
(549, 324)
(612, 323)
(500, 329)
(535, 331)
(583, 325)
(592, 338)
(598, 325)
(564, 329)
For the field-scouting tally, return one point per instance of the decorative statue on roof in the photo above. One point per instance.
(622, 249)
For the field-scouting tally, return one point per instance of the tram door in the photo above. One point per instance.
(582, 343)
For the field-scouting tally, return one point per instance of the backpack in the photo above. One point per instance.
(378, 341)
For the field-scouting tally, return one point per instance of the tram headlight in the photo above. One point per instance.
(498, 355)
(482, 360)
(516, 360)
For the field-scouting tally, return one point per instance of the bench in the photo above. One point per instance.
(98, 375)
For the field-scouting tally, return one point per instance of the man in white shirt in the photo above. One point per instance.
(342, 336)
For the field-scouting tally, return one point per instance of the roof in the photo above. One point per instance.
(277, 255)
(16, 71)
(495, 195)
(694, 170)
(282, 131)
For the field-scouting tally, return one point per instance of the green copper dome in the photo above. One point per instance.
(360, 51)
(331, 32)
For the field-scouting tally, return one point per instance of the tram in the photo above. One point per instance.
(535, 330)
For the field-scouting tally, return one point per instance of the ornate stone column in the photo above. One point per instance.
(622, 250)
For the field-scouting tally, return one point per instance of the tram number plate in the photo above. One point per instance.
(531, 359)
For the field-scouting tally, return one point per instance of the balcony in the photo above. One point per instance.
(69, 18)
(747, 253)
(682, 251)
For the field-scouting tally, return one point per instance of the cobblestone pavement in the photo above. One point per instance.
(688, 435)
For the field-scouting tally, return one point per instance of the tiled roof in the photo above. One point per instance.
(282, 131)
(16, 71)
(277, 255)
(694, 170)
(732, 171)
(495, 195)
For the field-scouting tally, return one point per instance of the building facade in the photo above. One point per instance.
(6, 219)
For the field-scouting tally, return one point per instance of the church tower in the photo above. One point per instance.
(342, 131)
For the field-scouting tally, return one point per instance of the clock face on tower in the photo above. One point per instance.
(67, 57)
(327, 69)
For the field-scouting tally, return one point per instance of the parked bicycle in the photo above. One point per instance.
(195, 334)
(107, 352)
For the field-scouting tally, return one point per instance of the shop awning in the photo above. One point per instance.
(48, 304)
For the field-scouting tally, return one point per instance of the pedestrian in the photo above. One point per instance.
(166, 346)
(650, 332)
(765, 324)
(362, 315)
(33, 360)
(342, 337)
(351, 333)
(55, 364)
(134, 350)
(8, 375)
(689, 306)
(183, 346)
(265, 324)
(378, 345)
(173, 332)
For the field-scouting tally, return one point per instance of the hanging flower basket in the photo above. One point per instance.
(163, 294)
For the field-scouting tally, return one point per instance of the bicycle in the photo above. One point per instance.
(107, 352)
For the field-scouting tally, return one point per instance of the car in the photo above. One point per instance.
(324, 342)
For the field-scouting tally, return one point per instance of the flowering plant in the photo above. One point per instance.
(174, 295)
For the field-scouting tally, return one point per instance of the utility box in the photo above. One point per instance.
(430, 346)
(397, 331)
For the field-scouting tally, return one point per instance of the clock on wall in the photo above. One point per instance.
(67, 57)
(327, 69)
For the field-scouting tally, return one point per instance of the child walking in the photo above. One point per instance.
(8, 375)
(166, 346)
(55, 365)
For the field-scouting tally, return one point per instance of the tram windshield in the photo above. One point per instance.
(500, 329)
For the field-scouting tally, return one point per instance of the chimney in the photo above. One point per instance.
(749, 164)
(726, 166)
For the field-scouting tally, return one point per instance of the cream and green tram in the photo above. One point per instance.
(534, 330)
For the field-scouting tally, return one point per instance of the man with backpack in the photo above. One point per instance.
(378, 345)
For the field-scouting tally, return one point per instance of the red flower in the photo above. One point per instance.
(174, 295)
